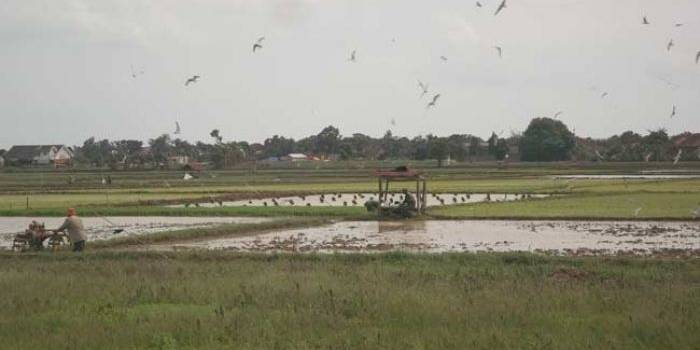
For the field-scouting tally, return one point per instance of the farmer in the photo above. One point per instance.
(75, 229)
(408, 207)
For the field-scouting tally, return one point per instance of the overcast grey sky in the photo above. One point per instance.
(65, 67)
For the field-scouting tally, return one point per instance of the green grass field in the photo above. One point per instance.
(385, 301)
(662, 206)
(584, 199)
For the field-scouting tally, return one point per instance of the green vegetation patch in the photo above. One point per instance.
(220, 300)
(617, 206)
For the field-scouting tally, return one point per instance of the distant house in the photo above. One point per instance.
(57, 155)
(296, 157)
(689, 144)
(175, 161)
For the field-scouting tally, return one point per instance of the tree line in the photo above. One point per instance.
(545, 139)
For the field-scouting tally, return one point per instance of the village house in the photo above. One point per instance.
(690, 145)
(295, 157)
(38, 155)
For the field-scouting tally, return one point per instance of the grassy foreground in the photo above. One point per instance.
(220, 301)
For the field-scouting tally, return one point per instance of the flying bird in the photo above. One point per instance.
(603, 95)
(500, 51)
(478, 4)
(677, 157)
(697, 57)
(353, 56)
(393, 122)
(500, 7)
(557, 114)
(669, 45)
(177, 128)
(443, 58)
(432, 103)
(423, 88)
(258, 44)
(644, 20)
(192, 80)
(600, 156)
(134, 73)
(673, 111)
(679, 24)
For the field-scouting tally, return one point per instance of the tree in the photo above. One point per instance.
(438, 148)
(278, 146)
(96, 152)
(657, 144)
(501, 149)
(546, 139)
(216, 135)
(127, 152)
(474, 146)
(328, 141)
(160, 148)
(492, 141)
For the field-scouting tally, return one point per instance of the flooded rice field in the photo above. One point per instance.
(104, 228)
(628, 176)
(555, 237)
(359, 199)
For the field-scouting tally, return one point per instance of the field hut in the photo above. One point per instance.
(403, 174)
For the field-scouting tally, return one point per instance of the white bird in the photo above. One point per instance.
(258, 44)
(192, 80)
(177, 128)
(423, 88)
(353, 56)
(696, 213)
(636, 211)
(677, 157)
(647, 157)
(500, 51)
(432, 103)
(673, 111)
(600, 156)
(500, 7)
(134, 73)
(669, 45)
(187, 177)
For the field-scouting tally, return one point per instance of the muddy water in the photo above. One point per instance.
(558, 237)
(103, 228)
(359, 199)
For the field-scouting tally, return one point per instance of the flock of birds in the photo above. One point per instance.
(354, 199)
(424, 87)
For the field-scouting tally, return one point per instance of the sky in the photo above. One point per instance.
(66, 67)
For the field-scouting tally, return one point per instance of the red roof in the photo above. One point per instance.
(692, 140)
